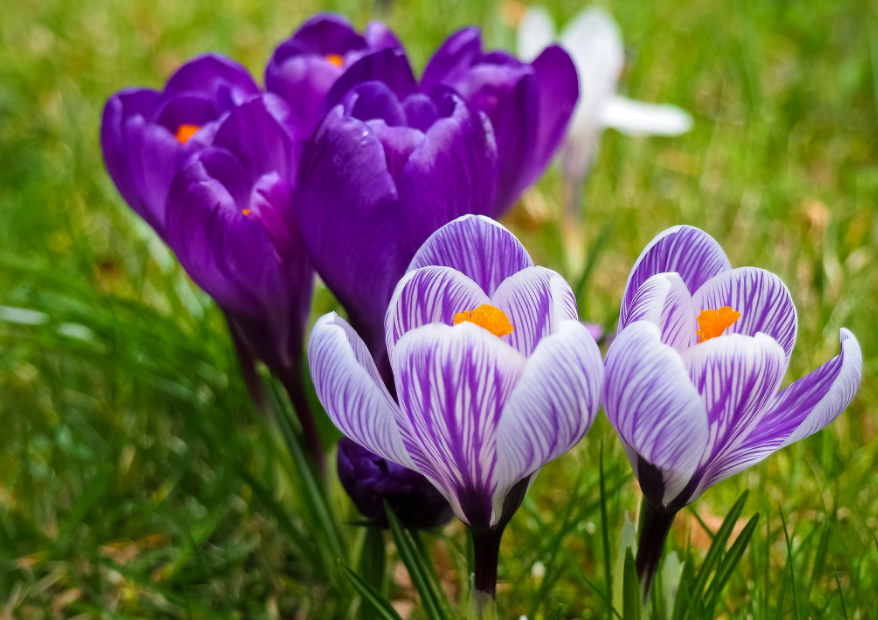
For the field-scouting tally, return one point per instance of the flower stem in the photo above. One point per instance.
(247, 364)
(655, 524)
(486, 553)
(293, 383)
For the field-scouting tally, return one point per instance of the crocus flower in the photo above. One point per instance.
(594, 42)
(382, 173)
(494, 376)
(146, 135)
(529, 105)
(693, 376)
(231, 221)
(370, 480)
(304, 68)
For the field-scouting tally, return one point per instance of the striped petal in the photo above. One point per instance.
(476, 246)
(665, 301)
(552, 407)
(688, 251)
(351, 390)
(656, 410)
(797, 411)
(536, 300)
(736, 377)
(762, 299)
(453, 383)
(429, 295)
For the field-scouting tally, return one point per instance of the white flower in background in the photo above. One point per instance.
(594, 42)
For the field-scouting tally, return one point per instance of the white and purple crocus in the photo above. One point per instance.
(494, 376)
(694, 376)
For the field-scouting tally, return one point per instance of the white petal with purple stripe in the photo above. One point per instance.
(453, 383)
(665, 301)
(654, 407)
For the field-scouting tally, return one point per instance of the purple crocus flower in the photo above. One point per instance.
(231, 221)
(146, 135)
(304, 68)
(693, 376)
(494, 376)
(380, 174)
(370, 480)
(529, 104)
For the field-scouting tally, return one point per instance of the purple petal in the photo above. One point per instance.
(552, 406)
(128, 104)
(429, 295)
(303, 81)
(478, 247)
(399, 143)
(762, 299)
(688, 251)
(375, 100)
(453, 383)
(736, 376)
(558, 91)
(379, 36)
(452, 173)
(420, 112)
(665, 301)
(797, 411)
(351, 220)
(656, 410)
(223, 79)
(536, 300)
(451, 61)
(262, 134)
(351, 390)
(389, 66)
(328, 33)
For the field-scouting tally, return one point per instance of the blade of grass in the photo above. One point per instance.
(632, 597)
(372, 597)
(790, 559)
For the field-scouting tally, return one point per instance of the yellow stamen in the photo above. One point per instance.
(335, 59)
(486, 316)
(713, 323)
(184, 132)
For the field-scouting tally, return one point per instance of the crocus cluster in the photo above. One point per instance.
(462, 368)
(344, 165)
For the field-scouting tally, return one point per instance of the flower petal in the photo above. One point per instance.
(536, 300)
(429, 295)
(665, 301)
(453, 383)
(351, 220)
(797, 411)
(453, 59)
(535, 33)
(686, 250)
(736, 376)
(351, 390)
(656, 410)
(762, 299)
(558, 92)
(389, 66)
(226, 81)
(453, 172)
(552, 406)
(478, 247)
(636, 118)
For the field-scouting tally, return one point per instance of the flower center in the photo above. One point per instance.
(488, 317)
(185, 131)
(335, 59)
(713, 323)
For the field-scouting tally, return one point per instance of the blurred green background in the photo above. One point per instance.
(134, 477)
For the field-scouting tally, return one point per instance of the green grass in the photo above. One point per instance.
(136, 480)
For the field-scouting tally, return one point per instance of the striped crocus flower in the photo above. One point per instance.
(693, 377)
(494, 376)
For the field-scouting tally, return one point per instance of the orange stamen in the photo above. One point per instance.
(245, 212)
(713, 323)
(488, 317)
(184, 132)
(335, 59)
